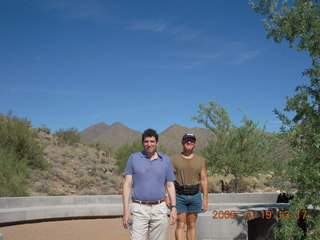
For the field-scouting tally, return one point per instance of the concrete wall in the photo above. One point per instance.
(22, 209)
(33, 208)
(14, 209)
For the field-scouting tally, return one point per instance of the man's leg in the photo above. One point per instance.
(140, 216)
(158, 224)
(182, 207)
(191, 225)
(181, 224)
(194, 207)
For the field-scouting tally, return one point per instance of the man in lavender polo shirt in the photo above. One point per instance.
(148, 172)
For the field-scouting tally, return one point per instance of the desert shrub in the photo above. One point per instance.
(13, 175)
(19, 152)
(68, 136)
(44, 129)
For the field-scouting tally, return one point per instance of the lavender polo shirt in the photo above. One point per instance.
(149, 176)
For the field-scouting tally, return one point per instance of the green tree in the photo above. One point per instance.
(236, 151)
(299, 23)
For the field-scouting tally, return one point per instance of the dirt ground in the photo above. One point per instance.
(84, 229)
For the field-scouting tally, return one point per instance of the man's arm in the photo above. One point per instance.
(204, 185)
(172, 195)
(166, 198)
(125, 199)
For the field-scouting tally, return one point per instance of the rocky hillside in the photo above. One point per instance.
(79, 169)
(75, 170)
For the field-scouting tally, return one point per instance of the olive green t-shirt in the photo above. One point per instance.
(187, 171)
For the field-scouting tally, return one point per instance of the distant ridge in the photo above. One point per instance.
(118, 134)
(113, 135)
(92, 132)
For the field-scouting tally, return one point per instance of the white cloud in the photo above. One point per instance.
(244, 56)
(149, 25)
(181, 66)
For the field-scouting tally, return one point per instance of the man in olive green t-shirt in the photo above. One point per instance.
(191, 172)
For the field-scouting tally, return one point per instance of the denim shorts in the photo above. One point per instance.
(189, 203)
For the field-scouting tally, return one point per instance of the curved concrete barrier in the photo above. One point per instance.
(20, 209)
(23, 209)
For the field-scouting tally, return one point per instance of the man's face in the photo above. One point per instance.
(189, 144)
(150, 144)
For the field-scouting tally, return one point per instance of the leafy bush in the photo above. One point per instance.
(19, 152)
(18, 137)
(13, 174)
(68, 136)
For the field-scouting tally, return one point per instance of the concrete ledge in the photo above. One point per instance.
(20, 202)
(220, 198)
(21, 209)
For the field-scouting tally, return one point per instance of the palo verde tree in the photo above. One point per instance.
(236, 151)
(298, 22)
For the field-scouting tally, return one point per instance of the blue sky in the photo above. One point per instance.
(144, 63)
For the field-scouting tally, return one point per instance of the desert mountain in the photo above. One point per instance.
(92, 132)
(118, 134)
(113, 135)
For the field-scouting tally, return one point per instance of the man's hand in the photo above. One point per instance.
(205, 205)
(125, 218)
(173, 216)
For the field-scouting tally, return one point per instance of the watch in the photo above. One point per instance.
(173, 206)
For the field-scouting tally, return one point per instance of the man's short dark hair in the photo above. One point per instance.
(150, 133)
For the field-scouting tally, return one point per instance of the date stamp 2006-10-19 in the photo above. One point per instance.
(264, 214)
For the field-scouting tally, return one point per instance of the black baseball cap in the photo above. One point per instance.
(189, 135)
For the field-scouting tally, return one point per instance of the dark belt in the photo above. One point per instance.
(148, 202)
(187, 189)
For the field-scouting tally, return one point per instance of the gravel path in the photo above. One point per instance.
(88, 229)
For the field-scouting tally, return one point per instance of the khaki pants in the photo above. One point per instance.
(151, 219)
